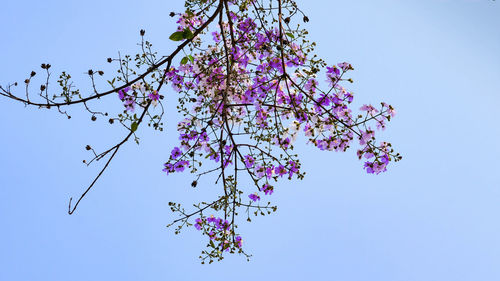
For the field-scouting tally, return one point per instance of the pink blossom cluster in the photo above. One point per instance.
(136, 95)
(219, 229)
(248, 94)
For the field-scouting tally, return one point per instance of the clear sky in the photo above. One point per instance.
(433, 216)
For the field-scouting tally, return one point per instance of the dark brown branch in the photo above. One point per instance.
(117, 147)
(140, 77)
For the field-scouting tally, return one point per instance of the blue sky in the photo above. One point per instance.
(432, 216)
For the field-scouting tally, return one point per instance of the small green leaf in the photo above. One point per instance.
(191, 58)
(134, 126)
(184, 60)
(290, 35)
(110, 82)
(177, 36)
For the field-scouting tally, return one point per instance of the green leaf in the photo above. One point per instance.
(191, 58)
(188, 34)
(184, 60)
(134, 126)
(110, 82)
(290, 35)
(177, 36)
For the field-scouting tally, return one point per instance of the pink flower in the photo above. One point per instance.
(366, 136)
(369, 108)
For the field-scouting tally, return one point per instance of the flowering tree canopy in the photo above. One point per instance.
(248, 86)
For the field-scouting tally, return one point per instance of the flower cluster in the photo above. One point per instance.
(219, 230)
(137, 94)
(247, 95)
(248, 87)
(128, 100)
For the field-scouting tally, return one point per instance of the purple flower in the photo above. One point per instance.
(228, 149)
(376, 167)
(227, 161)
(380, 122)
(268, 189)
(129, 103)
(123, 92)
(222, 225)
(366, 153)
(321, 144)
(369, 167)
(154, 96)
(176, 152)
(390, 109)
(211, 219)
(379, 167)
(333, 71)
(336, 100)
(269, 172)
(198, 224)
(311, 85)
(247, 26)
(333, 75)
(345, 66)
(293, 168)
(204, 137)
(349, 97)
(254, 197)
(324, 100)
(179, 166)
(369, 108)
(215, 156)
(260, 171)
(169, 168)
(238, 241)
(384, 159)
(366, 136)
(216, 36)
(249, 161)
(217, 223)
(280, 170)
(285, 142)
